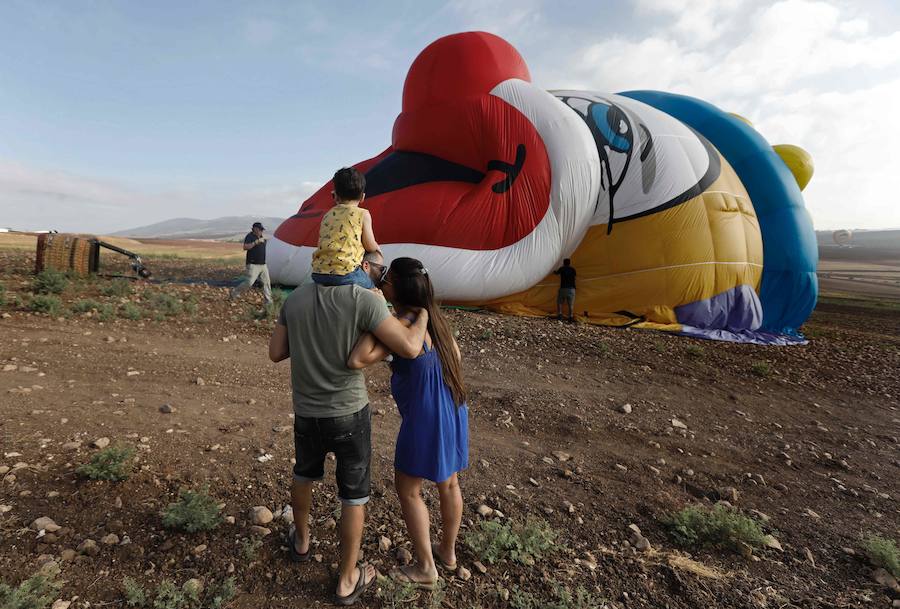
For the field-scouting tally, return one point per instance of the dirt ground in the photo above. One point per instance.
(811, 442)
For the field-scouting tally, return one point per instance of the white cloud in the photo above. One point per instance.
(699, 21)
(35, 198)
(810, 73)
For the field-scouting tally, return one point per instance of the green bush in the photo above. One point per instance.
(170, 596)
(194, 511)
(164, 304)
(190, 305)
(718, 527)
(113, 463)
(760, 368)
(85, 305)
(220, 594)
(45, 303)
(36, 592)
(117, 288)
(394, 594)
(494, 541)
(250, 547)
(2, 294)
(106, 312)
(883, 553)
(694, 350)
(130, 311)
(49, 281)
(563, 598)
(134, 593)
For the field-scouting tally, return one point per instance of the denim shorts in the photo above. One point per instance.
(565, 295)
(350, 439)
(358, 276)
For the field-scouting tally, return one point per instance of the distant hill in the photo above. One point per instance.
(230, 228)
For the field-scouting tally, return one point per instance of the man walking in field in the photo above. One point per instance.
(255, 246)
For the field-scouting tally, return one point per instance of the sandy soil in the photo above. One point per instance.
(814, 446)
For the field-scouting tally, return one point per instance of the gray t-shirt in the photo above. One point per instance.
(323, 325)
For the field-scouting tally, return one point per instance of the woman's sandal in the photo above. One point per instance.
(361, 586)
(439, 561)
(399, 575)
(292, 544)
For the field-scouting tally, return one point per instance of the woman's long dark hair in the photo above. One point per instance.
(412, 288)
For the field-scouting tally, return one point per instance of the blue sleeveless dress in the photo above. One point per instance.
(433, 442)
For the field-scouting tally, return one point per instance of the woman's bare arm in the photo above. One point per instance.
(369, 351)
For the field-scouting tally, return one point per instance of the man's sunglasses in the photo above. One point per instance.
(382, 272)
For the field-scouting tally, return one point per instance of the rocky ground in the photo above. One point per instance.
(591, 429)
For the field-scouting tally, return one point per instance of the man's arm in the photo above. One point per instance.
(249, 245)
(279, 348)
(405, 342)
(368, 233)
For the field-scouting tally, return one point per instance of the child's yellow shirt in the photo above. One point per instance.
(340, 248)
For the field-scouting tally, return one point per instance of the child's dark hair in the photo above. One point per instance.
(349, 184)
(412, 288)
(566, 262)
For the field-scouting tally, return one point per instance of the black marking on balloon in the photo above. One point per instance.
(647, 146)
(713, 170)
(512, 171)
(402, 169)
(635, 319)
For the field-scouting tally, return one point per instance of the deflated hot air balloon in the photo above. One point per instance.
(676, 215)
(842, 237)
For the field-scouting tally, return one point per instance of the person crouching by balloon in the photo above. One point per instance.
(433, 442)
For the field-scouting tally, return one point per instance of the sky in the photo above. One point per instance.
(121, 114)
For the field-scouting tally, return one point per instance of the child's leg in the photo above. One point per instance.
(451, 517)
(358, 277)
(415, 514)
(326, 279)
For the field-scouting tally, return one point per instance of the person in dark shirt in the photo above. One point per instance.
(255, 246)
(566, 292)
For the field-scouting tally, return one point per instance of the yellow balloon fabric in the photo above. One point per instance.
(690, 252)
(741, 118)
(798, 161)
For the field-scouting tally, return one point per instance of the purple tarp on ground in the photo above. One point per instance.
(733, 316)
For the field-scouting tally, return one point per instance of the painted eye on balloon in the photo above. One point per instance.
(612, 125)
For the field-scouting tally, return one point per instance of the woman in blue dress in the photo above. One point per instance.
(433, 442)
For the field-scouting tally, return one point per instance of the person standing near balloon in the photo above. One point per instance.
(433, 442)
(566, 292)
(255, 246)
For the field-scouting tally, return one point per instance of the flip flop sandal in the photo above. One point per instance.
(439, 562)
(361, 586)
(292, 544)
(399, 575)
